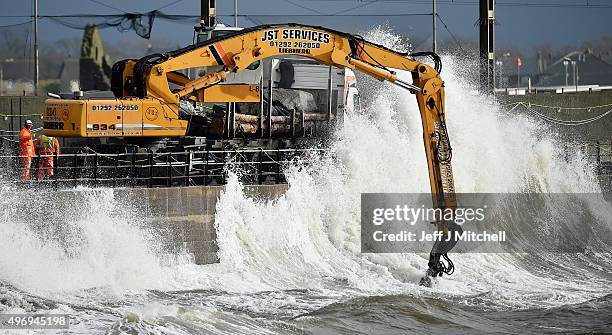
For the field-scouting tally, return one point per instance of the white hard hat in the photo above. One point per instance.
(28, 122)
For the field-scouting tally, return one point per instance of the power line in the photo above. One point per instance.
(27, 50)
(254, 21)
(142, 23)
(356, 7)
(450, 32)
(16, 24)
(418, 46)
(587, 5)
(334, 15)
(185, 16)
(170, 4)
(107, 6)
(303, 7)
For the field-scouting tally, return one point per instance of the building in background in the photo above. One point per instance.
(545, 69)
(94, 65)
(577, 68)
(15, 76)
(68, 76)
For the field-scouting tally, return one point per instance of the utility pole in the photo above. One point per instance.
(35, 47)
(235, 13)
(487, 46)
(208, 20)
(208, 14)
(433, 26)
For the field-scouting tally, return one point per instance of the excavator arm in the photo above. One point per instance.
(236, 52)
(149, 79)
(330, 47)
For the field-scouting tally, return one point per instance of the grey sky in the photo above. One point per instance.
(523, 27)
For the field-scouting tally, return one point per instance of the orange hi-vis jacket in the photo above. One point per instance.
(47, 145)
(26, 144)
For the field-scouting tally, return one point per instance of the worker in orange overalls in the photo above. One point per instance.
(26, 149)
(47, 147)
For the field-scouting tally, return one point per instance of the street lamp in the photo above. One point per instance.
(574, 71)
(499, 63)
(518, 63)
(566, 64)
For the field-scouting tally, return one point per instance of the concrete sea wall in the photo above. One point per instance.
(599, 130)
(180, 219)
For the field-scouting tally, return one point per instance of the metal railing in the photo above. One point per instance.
(188, 168)
(598, 152)
(603, 157)
(191, 168)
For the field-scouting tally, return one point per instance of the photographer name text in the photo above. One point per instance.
(466, 236)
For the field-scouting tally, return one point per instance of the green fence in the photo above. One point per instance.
(14, 110)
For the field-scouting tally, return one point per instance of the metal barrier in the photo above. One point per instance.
(603, 157)
(599, 152)
(191, 168)
(149, 169)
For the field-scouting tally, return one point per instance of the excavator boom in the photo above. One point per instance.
(145, 85)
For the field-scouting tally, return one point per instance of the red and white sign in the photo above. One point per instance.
(518, 62)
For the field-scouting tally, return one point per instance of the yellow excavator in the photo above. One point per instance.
(153, 98)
